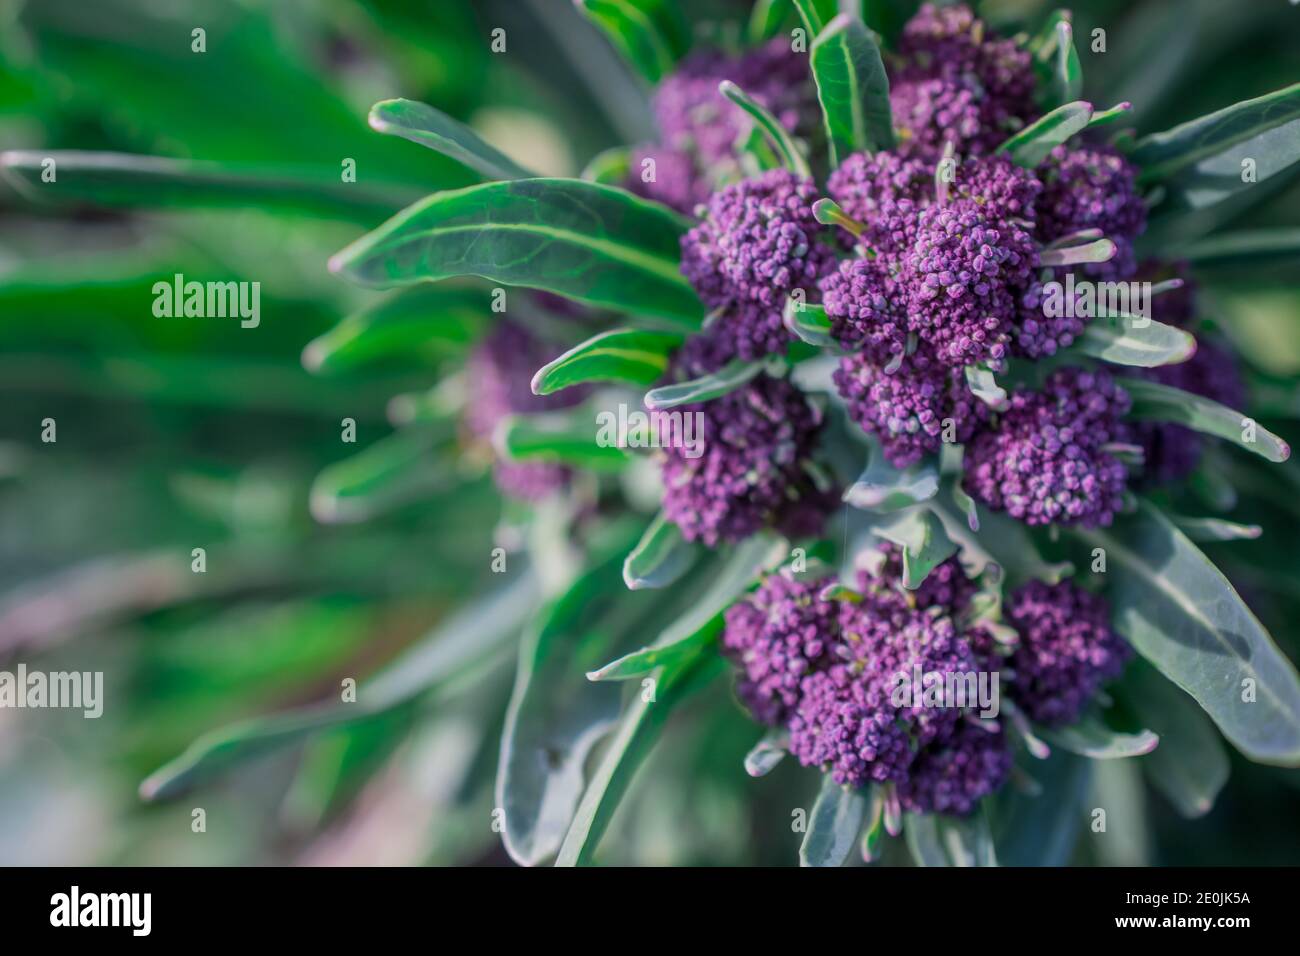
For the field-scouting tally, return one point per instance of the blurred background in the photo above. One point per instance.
(329, 560)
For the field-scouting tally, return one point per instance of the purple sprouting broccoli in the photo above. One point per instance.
(952, 775)
(1092, 188)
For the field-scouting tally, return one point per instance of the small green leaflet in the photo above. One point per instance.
(833, 825)
(1031, 145)
(728, 378)
(1143, 342)
(1089, 737)
(779, 136)
(923, 539)
(809, 323)
(565, 438)
(633, 356)
(660, 558)
(882, 487)
(432, 128)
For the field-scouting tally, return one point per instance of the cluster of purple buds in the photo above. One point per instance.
(1051, 456)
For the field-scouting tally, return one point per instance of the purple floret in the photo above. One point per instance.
(906, 408)
(947, 586)
(758, 242)
(1045, 459)
(500, 371)
(953, 81)
(865, 305)
(777, 636)
(1092, 187)
(676, 183)
(757, 441)
(1067, 650)
(953, 775)
(961, 274)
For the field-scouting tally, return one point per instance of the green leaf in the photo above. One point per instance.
(394, 471)
(1040, 828)
(833, 825)
(983, 385)
(1153, 401)
(429, 127)
(481, 630)
(1031, 145)
(1068, 74)
(612, 166)
(924, 541)
(155, 182)
(882, 487)
(585, 241)
(660, 558)
(1190, 766)
(1215, 529)
(1253, 247)
(564, 438)
(1147, 345)
(809, 323)
(1180, 613)
(765, 20)
(1089, 737)
(727, 379)
(637, 731)
(703, 622)
(620, 355)
(779, 136)
(1001, 540)
(936, 840)
(853, 89)
(1205, 153)
(767, 753)
(650, 34)
(812, 15)
(425, 323)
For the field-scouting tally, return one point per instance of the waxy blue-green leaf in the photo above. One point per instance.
(564, 438)
(703, 622)
(660, 557)
(1145, 343)
(1001, 540)
(727, 379)
(1190, 766)
(852, 88)
(1265, 129)
(586, 241)
(156, 182)
(984, 386)
(394, 471)
(483, 629)
(1215, 529)
(1180, 613)
(1030, 146)
(635, 735)
(1153, 401)
(635, 356)
(1041, 827)
(809, 323)
(779, 136)
(882, 487)
(650, 34)
(924, 542)
(764, 756)
(937, 840)
(1254, 247)
(1089, 737)
(425, 323)
(432, 128)
(833, 825)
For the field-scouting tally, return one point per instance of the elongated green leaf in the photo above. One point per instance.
(425, 323)
(1031, 145)
(1089, 737)
(1246, 124)
(703, 622)
(586, 241)
(833, 825)
(1215, 529)
(767, 753)
(620, 355)
(779, 136)
(1154, 401)
(852, 88)
(924, 541)
(936, 840)
(765, 20)
(882, 487)
(432, 128)
(393, 471)
(1180, 613)
(477, 633)
(1040, 828)
(1249, 248)
(812, 14)
(155, 182)
(809, 323)
(637, 731)
(1145, 343)
(660, 558)
(573, 438)
(728, 378)
(1190, 766)
(1067, 74)
(650, 34)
